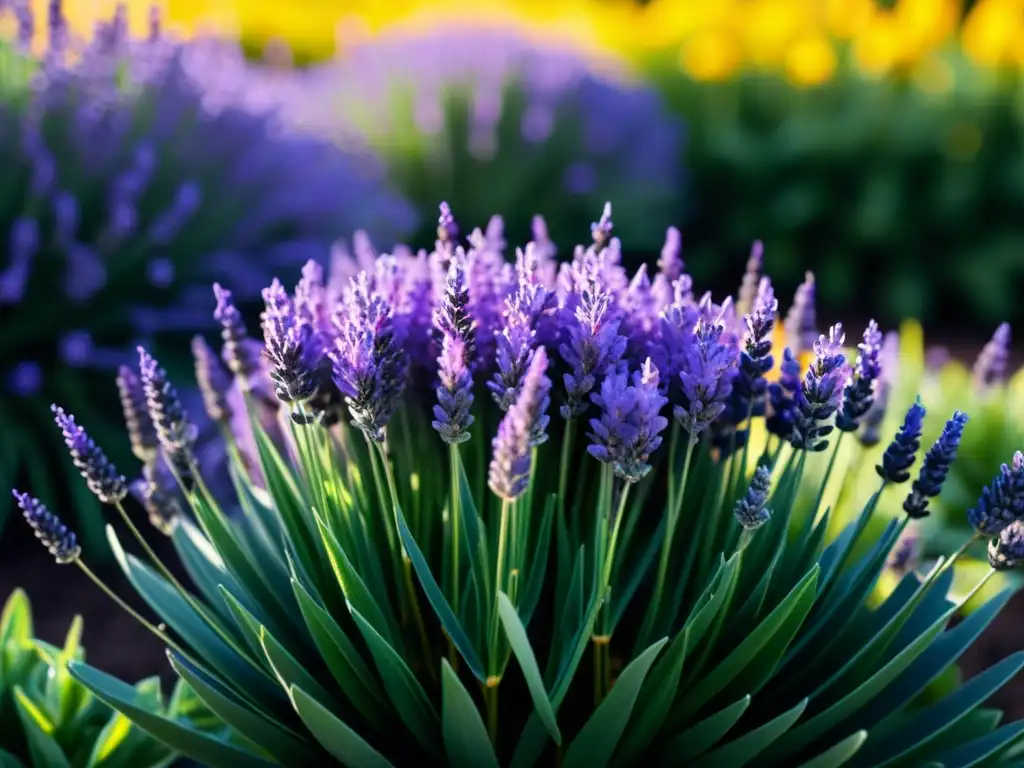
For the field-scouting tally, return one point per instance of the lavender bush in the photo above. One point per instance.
(491, 119)
(587, 561)
(137, 170)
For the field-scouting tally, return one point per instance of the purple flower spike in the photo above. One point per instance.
(1002, 501)
(601, 230)
(751, 278)
(141, 432)
(593, 346)
(990, 367)
(176, 434)
(671, 263)
(447, 229)
(157, 492)
(901, 454)
(288, 348)
(452, 318)
(705, 378)
(801, 322)
(214, 382)
(749, 385)
(55, 536)
(870, 433)
(238, 353)
(452, 418)
(369, 367)
(1006, 551)
(782, 397)
(520, 430)
(100, 475)
(935, 467)
(859, 394)
(821, 393)
(750, 511)
(629, 429)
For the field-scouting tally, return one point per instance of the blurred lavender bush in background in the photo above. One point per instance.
(137, 171)
(491, 118)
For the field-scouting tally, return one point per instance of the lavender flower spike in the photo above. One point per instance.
(176, 434)
(802, 319)
(452, 417)
(447, 229)
(821, 393)
(288, 347)
(214, 382)
(902, 451)
(238, 352)
(990, 367)
(750, 511)
(55, 536)
(369, 367)
(518, 431)
(157, 492)
(452, 317)
(859, 394)
(601, 230)
(751, 279)
(935, 467)
(594, 345)
(141, 433)
(1002, 501)
(705, 378)
(782, 396)
(630, 427)
(100, 475)
(671, 263)
(756, 360)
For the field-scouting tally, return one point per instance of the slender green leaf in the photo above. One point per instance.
(7, 760)
(39, 732)
(444, 611)
(402, 687)
(980, 750)
(595, 744)
(465, 735)
(16, 620)
(203, 747)
(523, 651)
(337, 738)
(840, 754)
(738, 753)
(538, 564)
(284, 744)
(702, 736)
(290, 671)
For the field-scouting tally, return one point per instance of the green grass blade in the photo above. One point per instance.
(596, 742)
(738, 753)
(39, 732)
(702, 736)
(980, 751)
(290, 671)
(840, 754)
(337, 738)
(465, 735)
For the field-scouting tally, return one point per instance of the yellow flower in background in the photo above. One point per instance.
(711, 55)
(811, 61)
(993, 34)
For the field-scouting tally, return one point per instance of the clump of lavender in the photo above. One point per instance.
(175, 432)
(801, 322)
(990, 367)
(629, 428)
(146, 170)
(369, 365)
(899, 457)
(935, 467)
(821, 393)
(576, 128)
(750, 510)
(58, 539)
(705, 378)
(859, 395)
(101, 476)
(593, 345)
(288, 348)
(520, 430)
(1002, 501)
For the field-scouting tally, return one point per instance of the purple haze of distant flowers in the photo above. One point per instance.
(990, 367)
(801, 322)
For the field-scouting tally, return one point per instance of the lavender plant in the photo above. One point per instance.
(135, 171)
(454, 108)
(599, 563)
(50, 719)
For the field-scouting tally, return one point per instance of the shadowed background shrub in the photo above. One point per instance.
(136, 171)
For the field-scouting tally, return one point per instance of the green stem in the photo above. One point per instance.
(670, 527)
(128, 609)
(828, 475)
(499, 580)
(456, 523)
(563, 464)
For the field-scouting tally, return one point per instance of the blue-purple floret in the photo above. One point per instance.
(899, 457)
(859, 394)
(821, 393)
(55, 536)
(629, 428)
(369, 365)
(288, 347)
(452, 417)
(1006, 551)
(1002, 501)
(935, 467)
(452, 317)
(749, 385)
(100, 474)
(705, 378)
(750, 511)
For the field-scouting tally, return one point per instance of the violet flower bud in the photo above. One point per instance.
(157, 492)
(141, 432)
(706, 378)
(859, 394)
(99, 473)
(176, 434)
(751, 279)
(55, 536)
(520, 430)
(1006, 551)
(821, 393)
(990, 367)
(452, 417)
(670, 263)
(214, 382)
(238, 353)
(1002, 501)
(801, 322)
(750, 511)
(935, 467)
(902, 451)
(601, 231)
(287, 349)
